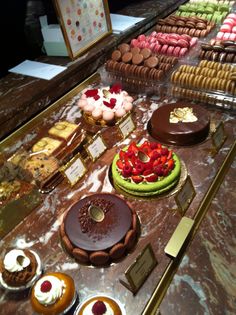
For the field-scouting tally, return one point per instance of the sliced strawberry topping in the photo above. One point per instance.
(137, 178)
(119, 164)
(91, 93)
(164, 151)
(122, 155)
(46, 286)
(133, 147)
(170, 164)
(96, 97)
(99, 308)
(148, 172)
(151, 178)
(116, 88)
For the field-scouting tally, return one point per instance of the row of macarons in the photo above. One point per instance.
(51, 292)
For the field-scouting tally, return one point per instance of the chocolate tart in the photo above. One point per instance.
(181, 133)
(97, 229)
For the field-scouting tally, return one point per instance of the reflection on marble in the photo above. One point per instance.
(206, 280)
(158, 217)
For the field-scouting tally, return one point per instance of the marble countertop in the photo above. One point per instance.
(205, 281)
(158, 217)
(22, 97)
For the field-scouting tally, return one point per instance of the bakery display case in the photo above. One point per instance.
(119, 198)
(158, 216)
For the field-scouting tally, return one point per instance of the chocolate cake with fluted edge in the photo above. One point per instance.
(99, 229)
(181, 130)
(148, 169)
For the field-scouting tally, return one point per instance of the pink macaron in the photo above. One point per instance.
(220, 35)
(176, 51)
(185, 37)
(226, 36)
(225, 28)
(234, 29)
(183, 52)
(170, 50)
(232, 37)
(141, 37)
(193, 41)
(164, 49)
(134, 43)
(157, 48)
(228, 21)
(183, 43)
(174, 36)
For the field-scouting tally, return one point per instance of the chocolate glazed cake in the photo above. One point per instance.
(99, 229)
(179, 133)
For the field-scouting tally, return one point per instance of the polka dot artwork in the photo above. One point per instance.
(84, 22)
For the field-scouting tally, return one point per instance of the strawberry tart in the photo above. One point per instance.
(104, 106)
(145, 170)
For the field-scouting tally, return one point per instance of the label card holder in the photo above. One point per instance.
(126, 125)
(74, 170)
(140, 269)
(218, 137)
(185, 195)
(96, 147)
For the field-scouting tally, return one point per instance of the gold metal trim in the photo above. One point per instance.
(153, 304)
(11, 139)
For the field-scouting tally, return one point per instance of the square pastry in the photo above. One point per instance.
(47, 146)
(63, 130)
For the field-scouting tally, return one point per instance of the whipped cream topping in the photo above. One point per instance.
(105, 95)
(50, 297)
(182, 114)
(16, 260)
(88, 309)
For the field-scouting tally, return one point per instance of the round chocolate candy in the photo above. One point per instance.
(127, 57)
(151, 62)
(137, 59)
(116, 55)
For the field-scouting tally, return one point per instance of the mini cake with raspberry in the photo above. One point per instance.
(100, 305)
(104, 106)
(19, 269)
(145, 170)
(53, 294)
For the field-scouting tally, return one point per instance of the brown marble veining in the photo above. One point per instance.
(205, 281)
(22, 97)
(158, 216)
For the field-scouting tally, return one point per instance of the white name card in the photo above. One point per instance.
(218, 137)
(185, 195)
(96, 147)
(74, 170)
(126, 126)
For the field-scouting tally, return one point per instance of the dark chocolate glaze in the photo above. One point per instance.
(102, 235)
(179, 133)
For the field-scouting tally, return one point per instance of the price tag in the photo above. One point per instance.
(74, 170)
(139, 271)
(126, 125)
(185, 195)
(96, 147)
(218, 137)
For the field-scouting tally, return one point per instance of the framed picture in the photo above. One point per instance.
(83, 23)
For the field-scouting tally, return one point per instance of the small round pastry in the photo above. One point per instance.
(120, 112)
(20, 268)
(108, 115)
(53, 294)
(97, 113)
(100, 305)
